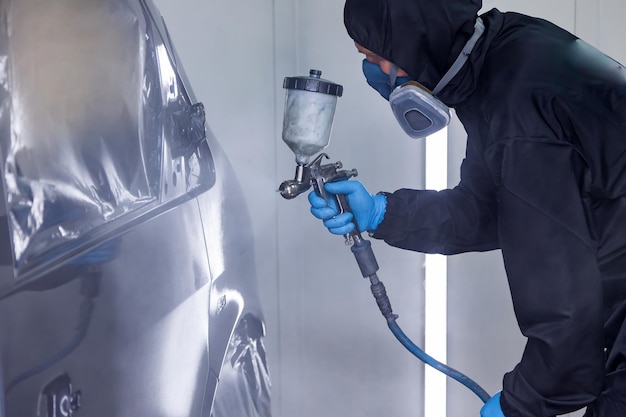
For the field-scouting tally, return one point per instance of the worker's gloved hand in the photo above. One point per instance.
(367, 209)
(492, 407)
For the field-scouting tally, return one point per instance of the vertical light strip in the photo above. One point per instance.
(435, 286)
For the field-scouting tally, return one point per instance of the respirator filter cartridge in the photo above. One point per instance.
(418, 112)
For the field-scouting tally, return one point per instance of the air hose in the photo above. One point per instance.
(362, 250)
(316, 174)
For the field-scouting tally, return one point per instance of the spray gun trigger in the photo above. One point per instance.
(322, 191)
(317, 175)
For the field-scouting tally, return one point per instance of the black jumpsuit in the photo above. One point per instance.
(544, 180)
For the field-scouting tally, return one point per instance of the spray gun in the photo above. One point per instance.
(309, 112)
(307, 123)
(315, 174)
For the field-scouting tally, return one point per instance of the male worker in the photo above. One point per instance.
(544, 180)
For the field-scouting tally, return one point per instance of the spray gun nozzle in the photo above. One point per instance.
(302, 181)
(314, 174)
(291, 189)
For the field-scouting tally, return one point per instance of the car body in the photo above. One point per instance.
(127, 277)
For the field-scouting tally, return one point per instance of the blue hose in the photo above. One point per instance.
(362, 250)
(429, 360)
(380, 295)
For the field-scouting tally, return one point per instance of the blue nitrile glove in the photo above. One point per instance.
(492, 407)
(367, 209)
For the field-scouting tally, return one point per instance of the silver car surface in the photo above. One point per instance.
(127, 277)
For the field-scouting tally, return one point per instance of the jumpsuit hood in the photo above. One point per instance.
(423, 37)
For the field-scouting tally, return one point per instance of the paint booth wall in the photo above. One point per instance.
(330, 352)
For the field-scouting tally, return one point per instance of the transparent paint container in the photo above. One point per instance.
(310, 104)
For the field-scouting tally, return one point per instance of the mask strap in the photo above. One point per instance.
(479, 28)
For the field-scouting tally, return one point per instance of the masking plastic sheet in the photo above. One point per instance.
(97, 128)
(244, 386)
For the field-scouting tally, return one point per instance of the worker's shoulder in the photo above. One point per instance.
(527, 52)
(527, 59)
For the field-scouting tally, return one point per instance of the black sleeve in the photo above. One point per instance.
(451, 221)
(550, 258)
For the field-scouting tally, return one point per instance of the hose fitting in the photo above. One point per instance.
(380, 294)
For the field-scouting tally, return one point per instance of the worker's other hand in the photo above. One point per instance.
(367, 209)
(492, 407)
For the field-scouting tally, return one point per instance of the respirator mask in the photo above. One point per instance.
(418, 111)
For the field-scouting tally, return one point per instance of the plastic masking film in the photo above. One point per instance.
(97, 128)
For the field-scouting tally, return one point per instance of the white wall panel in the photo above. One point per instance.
(338, 353)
